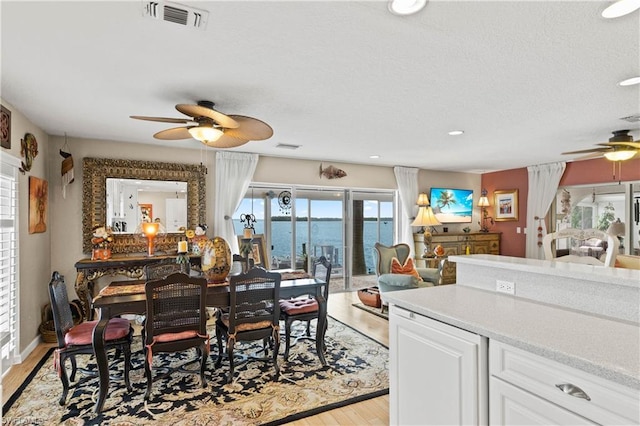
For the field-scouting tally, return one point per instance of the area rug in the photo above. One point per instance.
(371, 309)
(357, 370)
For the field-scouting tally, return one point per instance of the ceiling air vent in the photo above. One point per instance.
(176, 13)
(287, 146)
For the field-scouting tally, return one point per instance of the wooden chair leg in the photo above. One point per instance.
(74, 368)
(230, 343)
(219, 333)
(203, 363)
(147, 373)
(64, 379)
(287, 341)
(276, 348)
(126, 349)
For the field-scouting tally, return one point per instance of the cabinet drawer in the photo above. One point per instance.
(610, 403)
(486, 237)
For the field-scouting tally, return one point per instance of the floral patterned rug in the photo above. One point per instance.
(357, 370)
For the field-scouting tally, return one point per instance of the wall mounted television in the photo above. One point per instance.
(452, 205)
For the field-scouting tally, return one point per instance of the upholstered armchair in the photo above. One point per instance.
(406, 276)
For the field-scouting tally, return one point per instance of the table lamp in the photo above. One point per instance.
(150, 230)
(426, 219)
(483, 203)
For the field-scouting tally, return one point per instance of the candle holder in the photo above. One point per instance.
(183, 260)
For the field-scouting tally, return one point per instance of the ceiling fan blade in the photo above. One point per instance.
(175, 133)
(162, 119)
(250, 128)
(583, 151)
(226, 141)
(200, 111)
(635, 145)
(589, 156)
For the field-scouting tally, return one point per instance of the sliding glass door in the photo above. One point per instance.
(373, 221)
(301, 224)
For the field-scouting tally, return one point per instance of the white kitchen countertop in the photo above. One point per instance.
(600, 274)
(602, 346)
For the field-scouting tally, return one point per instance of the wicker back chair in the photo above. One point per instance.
(305, 308)
(164, 268)
(254, 314)
(78, 339)
(176, 320)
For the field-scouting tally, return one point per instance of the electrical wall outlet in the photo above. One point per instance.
(505, 287)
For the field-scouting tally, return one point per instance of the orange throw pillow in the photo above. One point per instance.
(406, 269)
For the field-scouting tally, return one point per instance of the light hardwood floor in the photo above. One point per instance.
(371, 412)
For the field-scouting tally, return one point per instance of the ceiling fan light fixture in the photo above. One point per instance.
(620, 155)
(205, 133)
(406, 7)
(621, 8)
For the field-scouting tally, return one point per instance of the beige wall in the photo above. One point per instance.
(35, 263)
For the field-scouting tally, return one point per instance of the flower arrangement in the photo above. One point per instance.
(102, 237)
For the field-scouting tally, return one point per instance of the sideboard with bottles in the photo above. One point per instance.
(457, 244)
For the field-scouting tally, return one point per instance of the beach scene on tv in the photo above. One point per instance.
(452, 205)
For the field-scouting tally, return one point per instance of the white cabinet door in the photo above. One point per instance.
(512, 406)
(438, 373)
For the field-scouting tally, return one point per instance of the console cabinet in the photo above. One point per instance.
(459, 244)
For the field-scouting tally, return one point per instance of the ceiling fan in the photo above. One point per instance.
(211, 127)
(620, 147)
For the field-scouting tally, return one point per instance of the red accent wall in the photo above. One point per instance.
(600, 171)
(511, 243)
(597, 171)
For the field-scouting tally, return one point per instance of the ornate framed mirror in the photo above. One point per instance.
(96, 171)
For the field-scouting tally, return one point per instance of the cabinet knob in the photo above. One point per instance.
(573, 390)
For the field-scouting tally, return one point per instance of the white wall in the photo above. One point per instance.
(35, 263)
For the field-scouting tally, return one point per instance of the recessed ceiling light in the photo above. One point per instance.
(630, 81)
(456, 132)
(374, 156)
(406, 7)
(621, 8)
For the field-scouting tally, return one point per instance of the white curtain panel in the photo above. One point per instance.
(234, 171)
(407, 181)
(543, 186)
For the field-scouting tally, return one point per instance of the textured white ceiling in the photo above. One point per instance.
(345, 80)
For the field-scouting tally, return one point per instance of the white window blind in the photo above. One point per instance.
(8, 260)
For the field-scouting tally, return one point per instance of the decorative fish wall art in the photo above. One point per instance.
(332, 172)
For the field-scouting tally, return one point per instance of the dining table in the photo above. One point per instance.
(128, 297)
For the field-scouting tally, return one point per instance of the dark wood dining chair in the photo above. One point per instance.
(176, 321)
(305, 308)
(76, 340)
(253, 314)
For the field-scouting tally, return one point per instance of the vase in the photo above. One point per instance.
(216, 260)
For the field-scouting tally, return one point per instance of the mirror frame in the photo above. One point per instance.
(94, 192)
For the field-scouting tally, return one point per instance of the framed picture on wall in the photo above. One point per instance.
(146, 212)
(38, 205)
(5, 127)
(506, 204)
